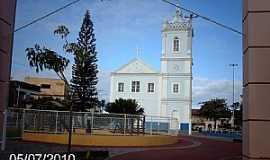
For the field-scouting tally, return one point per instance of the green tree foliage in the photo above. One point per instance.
(215, 109)
(84, 72)
(84, 69)
(44, 58)
(126, 106)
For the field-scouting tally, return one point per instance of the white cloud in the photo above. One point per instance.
(205, 89)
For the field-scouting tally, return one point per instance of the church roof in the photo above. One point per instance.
(135, 66)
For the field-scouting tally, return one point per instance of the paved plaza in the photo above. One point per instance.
(187, 148)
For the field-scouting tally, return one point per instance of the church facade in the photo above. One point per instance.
(167, 92)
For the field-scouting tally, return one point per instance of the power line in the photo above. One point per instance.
(205, 18)
(166, 1)
(47, 15)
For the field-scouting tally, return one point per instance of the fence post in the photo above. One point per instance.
(151, 125)
(158, 128)
(72, 124)
(92, 122)
(17, 119)
(23, 119)
(4, 136)
(35, 122)
(128, 125)
(170, 125)
(56, 120)
(125, 118)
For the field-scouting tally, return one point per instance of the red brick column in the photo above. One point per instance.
(256, 59)
(7, 17)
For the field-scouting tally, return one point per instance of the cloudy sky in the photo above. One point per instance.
(123, 25)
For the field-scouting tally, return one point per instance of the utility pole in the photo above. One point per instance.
(191, 34)
(70, 97)
(233, 105)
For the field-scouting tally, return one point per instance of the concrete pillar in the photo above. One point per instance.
(256, 60)
(7, 18)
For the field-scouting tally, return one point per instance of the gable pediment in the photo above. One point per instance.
(135, 66)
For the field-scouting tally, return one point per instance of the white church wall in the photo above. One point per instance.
(176, 109)
(148, 100)
(175, 65)
(164, 68)
(184, 90)
(180, 110)
(181, 66)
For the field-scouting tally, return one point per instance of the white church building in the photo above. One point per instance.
(167, 92)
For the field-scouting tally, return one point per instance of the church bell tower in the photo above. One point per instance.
(176, 70)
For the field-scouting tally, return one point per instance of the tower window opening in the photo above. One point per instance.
(176, 44)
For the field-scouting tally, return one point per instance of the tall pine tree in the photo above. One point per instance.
(84, 70)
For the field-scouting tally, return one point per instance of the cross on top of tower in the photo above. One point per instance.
(178, 14)
(178, 10)
(138, 52)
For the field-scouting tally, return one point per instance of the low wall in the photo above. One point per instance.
(101, 140)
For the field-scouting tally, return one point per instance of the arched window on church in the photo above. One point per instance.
(176, 44)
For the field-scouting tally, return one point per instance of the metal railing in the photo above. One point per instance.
(51, 121)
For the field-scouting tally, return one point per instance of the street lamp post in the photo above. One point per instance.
(233, 67)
